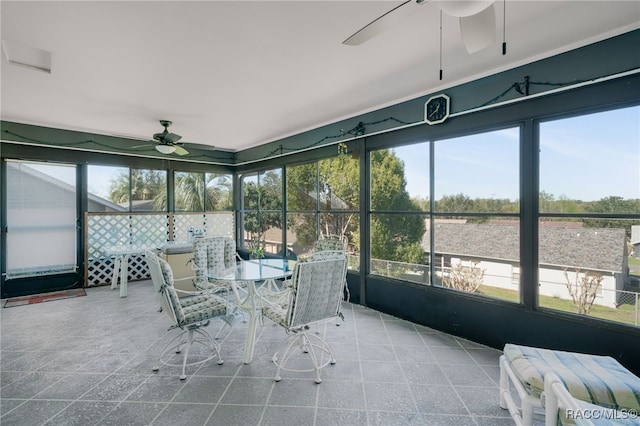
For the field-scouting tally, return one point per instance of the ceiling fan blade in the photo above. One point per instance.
(145, 145)
(171, 138)
(383, 23)
(479, 30)
(180, 150)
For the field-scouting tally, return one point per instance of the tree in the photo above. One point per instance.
(339, 187)
(458, 203)
(583, 289)
(262, 204)
(321, 192)
(464, 278)
(396, 237)
(142, 184)
(189, 192)
(219, 191)
(546, 202)
(613, 204)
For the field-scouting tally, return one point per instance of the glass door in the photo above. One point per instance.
(41, 229)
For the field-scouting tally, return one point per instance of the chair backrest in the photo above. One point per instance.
(213, 252)
(330, 242)
(317, 289)
(162, 278)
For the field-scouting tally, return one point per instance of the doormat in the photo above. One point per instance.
(44, 297)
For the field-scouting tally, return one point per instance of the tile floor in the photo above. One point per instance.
(87, 361)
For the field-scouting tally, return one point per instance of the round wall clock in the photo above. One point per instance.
(436, 110)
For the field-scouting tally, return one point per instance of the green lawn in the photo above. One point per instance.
(625, 313)
(634, 266)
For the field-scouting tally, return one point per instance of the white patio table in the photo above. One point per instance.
(121, 253)
(253, 271)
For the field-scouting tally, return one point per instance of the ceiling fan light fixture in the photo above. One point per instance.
(165, 149)
(464, 8)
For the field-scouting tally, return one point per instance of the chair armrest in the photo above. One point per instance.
(273, 298)
(185, 278)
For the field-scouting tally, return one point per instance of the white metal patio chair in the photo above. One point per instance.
(315, 295)
(190, 314)
(217, 253)
(330, 242)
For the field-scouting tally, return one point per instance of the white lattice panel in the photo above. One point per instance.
(222, 223)
(143, 229)
(183, 221)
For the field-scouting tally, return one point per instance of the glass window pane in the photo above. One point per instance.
(339, 183)
(344, 225)
(302, 232)
(219, 191)
(249, 192)
(590, 265)
(589, 158)
(481, 258)
(585, 268)
(108, 188)
(270, 190)
(41, 219)
(478, 173)
(189, 191)
(398, 246)
(302, 187)
(400, 178)
(251, 228)
(148, 190)
(272, 233)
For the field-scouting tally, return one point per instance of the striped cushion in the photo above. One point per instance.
(600, 380)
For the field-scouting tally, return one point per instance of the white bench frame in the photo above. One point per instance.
(523, 415)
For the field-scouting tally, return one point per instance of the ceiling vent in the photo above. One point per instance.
(27, 56)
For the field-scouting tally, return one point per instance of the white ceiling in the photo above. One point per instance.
(237, 74)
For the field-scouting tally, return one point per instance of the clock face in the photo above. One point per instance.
(437, 109)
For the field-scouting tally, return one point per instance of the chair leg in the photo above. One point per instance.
(183, 376)
(309, 343)
(185, 340)
(314, 359)
(280, 361)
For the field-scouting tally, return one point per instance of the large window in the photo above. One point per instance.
(322, 200)
(476, 234)
(468, 236)
(120, 189)
(589, 233)
(399, 217)
(261, 211)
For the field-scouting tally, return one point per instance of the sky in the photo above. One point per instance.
(584, 158)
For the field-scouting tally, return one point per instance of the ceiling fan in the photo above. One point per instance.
(167, 142)
(477, 21)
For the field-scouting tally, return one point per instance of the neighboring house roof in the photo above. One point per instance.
(57, 183)
(587, 248)
(139, 205)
